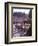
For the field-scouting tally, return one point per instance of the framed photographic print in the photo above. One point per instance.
(20, 22)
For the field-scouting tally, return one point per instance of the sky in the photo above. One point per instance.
(26, 11)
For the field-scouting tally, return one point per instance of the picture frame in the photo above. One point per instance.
(20, 22)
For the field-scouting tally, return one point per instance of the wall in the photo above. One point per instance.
(2, 22)
(37, 22)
